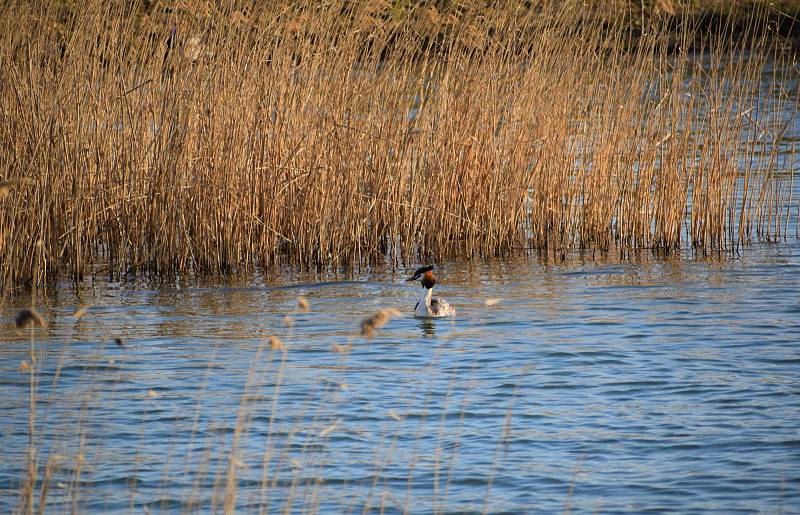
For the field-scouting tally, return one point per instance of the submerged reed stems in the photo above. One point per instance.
(144, 140)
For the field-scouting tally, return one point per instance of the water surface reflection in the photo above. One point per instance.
(650, 385)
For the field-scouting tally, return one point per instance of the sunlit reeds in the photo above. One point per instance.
(214, 139)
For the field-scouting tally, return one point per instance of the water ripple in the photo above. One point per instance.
(660, 387)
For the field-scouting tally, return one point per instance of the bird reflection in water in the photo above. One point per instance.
(428, 327)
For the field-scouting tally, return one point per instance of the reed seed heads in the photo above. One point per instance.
(370, 324)
(29, 317)
(303, 305)
(276, 344)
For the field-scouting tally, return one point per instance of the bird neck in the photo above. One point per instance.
(425, 298)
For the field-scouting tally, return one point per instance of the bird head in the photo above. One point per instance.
(424, 275)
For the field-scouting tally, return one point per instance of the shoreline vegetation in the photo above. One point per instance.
(147, 138)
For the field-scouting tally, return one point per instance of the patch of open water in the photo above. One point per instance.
(659, 385)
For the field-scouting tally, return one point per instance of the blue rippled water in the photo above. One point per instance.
(593, 386)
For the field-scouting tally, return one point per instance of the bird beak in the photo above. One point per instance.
(413, 278)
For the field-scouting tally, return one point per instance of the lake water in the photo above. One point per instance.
(647, 385)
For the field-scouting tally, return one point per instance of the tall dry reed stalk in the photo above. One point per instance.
(205, 138)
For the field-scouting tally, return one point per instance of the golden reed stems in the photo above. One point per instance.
(208, 139)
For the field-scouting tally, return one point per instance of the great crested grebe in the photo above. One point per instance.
(427, 306)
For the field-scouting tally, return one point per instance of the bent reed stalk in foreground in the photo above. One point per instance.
(167, 140)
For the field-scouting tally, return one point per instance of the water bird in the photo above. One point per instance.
(428, 306)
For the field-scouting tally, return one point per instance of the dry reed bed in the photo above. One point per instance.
(211, 139)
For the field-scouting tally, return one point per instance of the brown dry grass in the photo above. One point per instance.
(208, 139)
